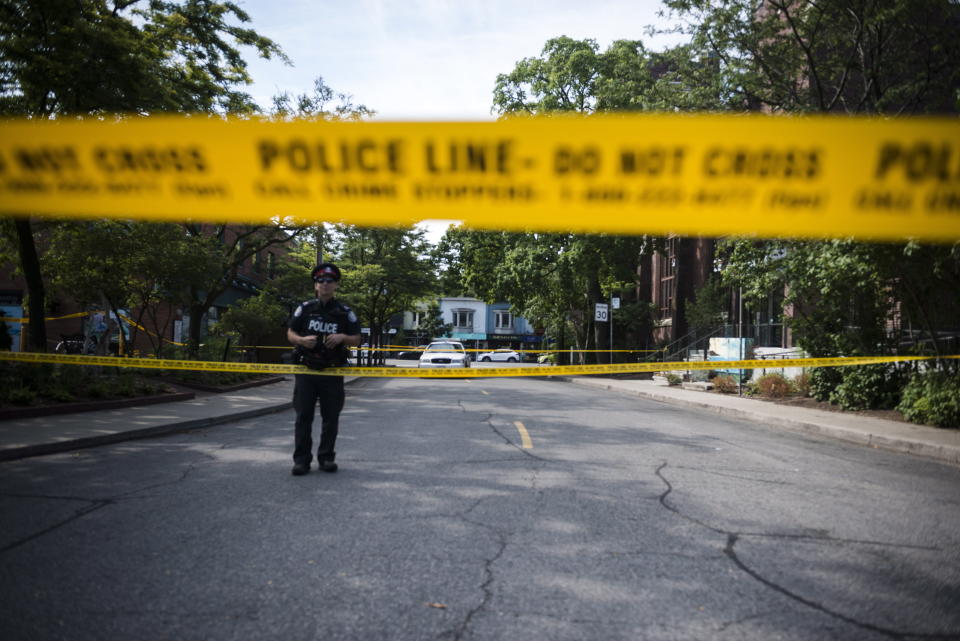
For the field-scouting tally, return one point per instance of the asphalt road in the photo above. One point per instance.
(483, 509)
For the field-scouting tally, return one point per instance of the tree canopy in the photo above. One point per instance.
(385, 272)
(846, 56)
(127, 57)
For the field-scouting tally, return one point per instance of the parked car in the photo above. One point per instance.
(413, 354)
(440, 354)
(547, 358)
(507, 355)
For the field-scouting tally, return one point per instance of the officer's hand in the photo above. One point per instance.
(309, 342)
(333, 340)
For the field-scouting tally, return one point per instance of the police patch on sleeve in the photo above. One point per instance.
(351, 316)
(298, 311)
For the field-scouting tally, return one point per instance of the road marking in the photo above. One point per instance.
(525, 442)
(485, 392)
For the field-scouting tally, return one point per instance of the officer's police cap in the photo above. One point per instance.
(326, 270)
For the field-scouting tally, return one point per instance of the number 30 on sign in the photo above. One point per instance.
(601, 313)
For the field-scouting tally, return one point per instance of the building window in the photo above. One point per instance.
(271, 265)
(418, 317)
(258, 263)
(503, 319)
(667, 269)
(463, 319)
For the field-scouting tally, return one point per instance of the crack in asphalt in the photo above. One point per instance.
(487, 584)
(730, 552)
(94, 505)
(503, 537)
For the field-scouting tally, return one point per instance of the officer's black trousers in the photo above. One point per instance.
(307, 390)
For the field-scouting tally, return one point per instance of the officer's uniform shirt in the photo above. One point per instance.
(314, 318)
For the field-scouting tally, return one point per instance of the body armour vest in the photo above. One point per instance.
(314, 318)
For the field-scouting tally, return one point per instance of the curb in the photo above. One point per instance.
(147, 432)
(942, 453)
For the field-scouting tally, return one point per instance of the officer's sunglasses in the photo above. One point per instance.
(325, 280)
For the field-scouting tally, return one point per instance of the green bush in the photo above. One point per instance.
(21, 396)
(673, 379)
(868, 387)
(144, 388)
(823, 382)
(97, 389)
(725, 384)
(932, 398)
(58, 394)
(773, 386)
(124, 386)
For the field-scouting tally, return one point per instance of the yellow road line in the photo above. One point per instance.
(525, 442)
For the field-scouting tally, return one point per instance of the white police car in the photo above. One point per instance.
(442, 354)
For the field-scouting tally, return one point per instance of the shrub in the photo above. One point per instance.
(773, 386)
(673, 379)
(125, 386)
(932, 398)
(21, 396)
(725, 384)
(867, 387)
(823, 381)
(801, 384)
(97, 389)
(58, 394)
(144, 388)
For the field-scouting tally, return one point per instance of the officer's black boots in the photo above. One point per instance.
(299, 469)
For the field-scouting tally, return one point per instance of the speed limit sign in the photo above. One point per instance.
(601, 313)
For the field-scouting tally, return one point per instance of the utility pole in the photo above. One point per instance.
(614, 304)
(740, 335)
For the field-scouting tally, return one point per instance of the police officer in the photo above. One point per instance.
(321, 329)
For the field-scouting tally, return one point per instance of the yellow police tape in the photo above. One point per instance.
(458, 372)
(705, 175)
(48, 318)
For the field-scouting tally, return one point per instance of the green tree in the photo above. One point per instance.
(93, 57)
(849, 56)
(254, 319)
(838, 56)
(323, 103)
(385, 271)
(551, 279)
(705, 311)
(431, 323)
(225, 248)
(850, 298)
(556, 279)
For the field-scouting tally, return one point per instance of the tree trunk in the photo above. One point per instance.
(193, 340)
(562, 343)
(30, 264)
(601, 331)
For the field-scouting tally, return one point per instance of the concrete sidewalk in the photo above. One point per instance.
(64, 432)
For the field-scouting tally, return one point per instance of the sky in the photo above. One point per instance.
(426, 59)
